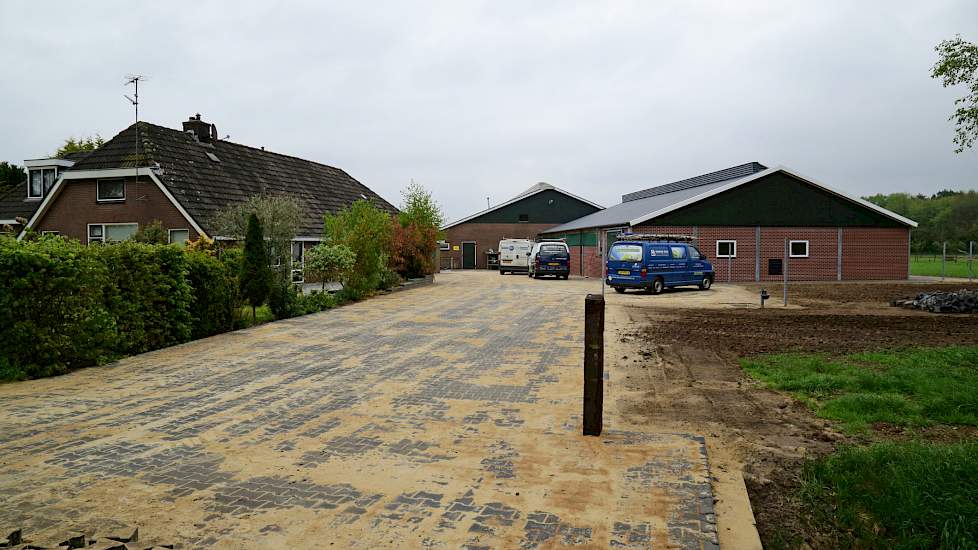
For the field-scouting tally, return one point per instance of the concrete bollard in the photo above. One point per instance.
(593, 363)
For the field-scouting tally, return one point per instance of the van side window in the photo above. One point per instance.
(694, 254)
(678, 252)
(659, 251)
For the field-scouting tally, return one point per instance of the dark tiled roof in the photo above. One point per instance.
(733, 172)
(204, 186)
(14, 204)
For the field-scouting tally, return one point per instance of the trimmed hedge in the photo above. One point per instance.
(66, 305)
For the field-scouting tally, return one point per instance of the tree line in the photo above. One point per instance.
(946, 216)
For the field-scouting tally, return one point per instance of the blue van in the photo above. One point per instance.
(655, 265)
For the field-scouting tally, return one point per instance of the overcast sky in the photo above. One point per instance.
(477, 99)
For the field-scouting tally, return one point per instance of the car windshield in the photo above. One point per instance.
(626, 253)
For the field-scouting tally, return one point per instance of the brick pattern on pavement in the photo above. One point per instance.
(443, 417)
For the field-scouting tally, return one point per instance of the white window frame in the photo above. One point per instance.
(50, 232)
(302, 264)
(791, 246)
(98, 182)
(731, 242)
(88, 231)
(41, 169)
(444, 246)
(169, 235)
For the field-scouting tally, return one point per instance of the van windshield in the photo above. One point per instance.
(626, 253)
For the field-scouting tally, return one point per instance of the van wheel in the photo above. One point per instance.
(657, 285)
(501, 272)
(706, 283)
(529, 273)
(566, 277)
(619, 290)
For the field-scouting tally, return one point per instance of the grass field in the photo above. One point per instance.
(931, 266)
(903, 494)
(916, 387)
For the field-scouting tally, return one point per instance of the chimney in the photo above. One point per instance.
(199, 128)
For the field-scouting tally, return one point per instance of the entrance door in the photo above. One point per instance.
(468, 255)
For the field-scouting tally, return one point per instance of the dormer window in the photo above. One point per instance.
(111, 190)
(41, 180)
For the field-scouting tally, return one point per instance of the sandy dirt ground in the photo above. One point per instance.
(446, 416)
(679, 354)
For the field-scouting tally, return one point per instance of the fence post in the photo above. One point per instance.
(971, 259)
(728, 269)
(593, 363)
(944, 261)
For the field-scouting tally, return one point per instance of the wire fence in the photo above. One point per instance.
(954, 263)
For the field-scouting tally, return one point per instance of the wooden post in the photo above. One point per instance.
(593, 363)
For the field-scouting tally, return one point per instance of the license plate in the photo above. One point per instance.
(624, 272)
(507, 261)
(553, 263)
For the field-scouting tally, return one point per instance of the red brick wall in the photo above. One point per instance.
(875, 253)
(75, 207)
(486, 236)
(867, 253)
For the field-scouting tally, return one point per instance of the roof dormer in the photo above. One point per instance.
(42, 173)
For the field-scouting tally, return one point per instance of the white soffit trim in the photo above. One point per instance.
(761, 174)
(47, 163)
(108, 173)
(519, 198)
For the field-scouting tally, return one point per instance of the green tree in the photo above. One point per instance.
(280, 217)
(957, 63)
(73, 145)
(367, 231)
(11, 176)
(256, 276)
(420, 208)
(330, 262)
(152, 233)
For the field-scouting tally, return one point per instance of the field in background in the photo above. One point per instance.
(930, 266)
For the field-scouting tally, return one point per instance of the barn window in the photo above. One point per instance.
(524, 218)
(726, 249)
(798, 249)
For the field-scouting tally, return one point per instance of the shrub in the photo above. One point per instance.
(413, 250)
(366, 230)
(53, 301)
(329, 263)
(317, 301)
(283, 299)
(148, 294)
(255, 277)
(152, 233)
(214, 294)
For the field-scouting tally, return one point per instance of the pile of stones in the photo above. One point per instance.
(80, 540)
(962, 301)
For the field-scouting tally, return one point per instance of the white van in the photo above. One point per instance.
(514, 255)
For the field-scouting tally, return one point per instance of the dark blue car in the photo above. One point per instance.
(657, 265)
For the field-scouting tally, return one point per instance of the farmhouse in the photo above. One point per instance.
(745, 217)
(181, 178)
(523, 217)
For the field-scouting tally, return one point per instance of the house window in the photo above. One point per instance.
(524, 218)
(444, 245)
(298, 259)
(111, 190)
(179, 236)
(50, 232)
(108, 232)
(726, 249)
(41, 181)
(798, 249)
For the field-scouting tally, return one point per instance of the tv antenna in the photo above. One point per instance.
(134, 79)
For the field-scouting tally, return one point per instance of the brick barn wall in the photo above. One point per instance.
(76, 207)
(868, 253)
(875, 253)
(486, 236)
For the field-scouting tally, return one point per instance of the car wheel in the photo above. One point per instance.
(657, 285)
(566, 277)
(619, 290)
(501, 272)
(706, 283)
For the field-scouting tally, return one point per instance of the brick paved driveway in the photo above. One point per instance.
(446, 416)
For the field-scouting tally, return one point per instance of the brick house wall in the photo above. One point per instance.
(76, 206)
(486, 236)
(868, 253)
